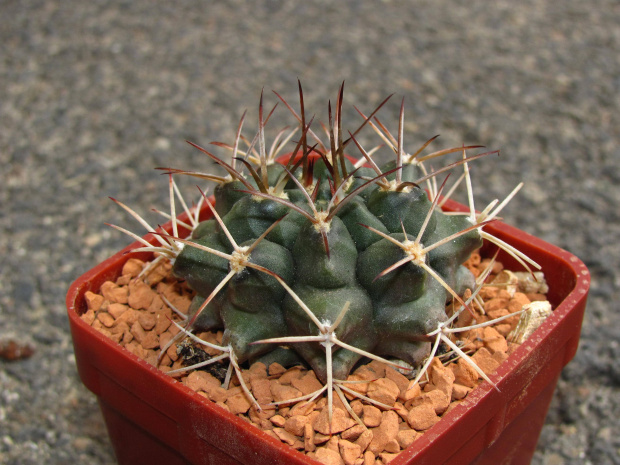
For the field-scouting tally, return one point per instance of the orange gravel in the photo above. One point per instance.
(133, 313)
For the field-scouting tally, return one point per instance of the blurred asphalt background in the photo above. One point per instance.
(93, 95)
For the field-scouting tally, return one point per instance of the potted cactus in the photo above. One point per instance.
(322, 260)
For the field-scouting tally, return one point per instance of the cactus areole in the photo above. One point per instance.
(320, 258)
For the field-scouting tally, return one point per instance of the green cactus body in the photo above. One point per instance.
(326, 260)
(327, 266)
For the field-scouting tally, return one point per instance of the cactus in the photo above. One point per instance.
(325, 259)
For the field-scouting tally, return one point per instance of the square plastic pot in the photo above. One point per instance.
(151, 418)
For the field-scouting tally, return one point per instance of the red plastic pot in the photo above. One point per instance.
(151, 418)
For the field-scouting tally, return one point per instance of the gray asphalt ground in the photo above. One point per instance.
(95, 94)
